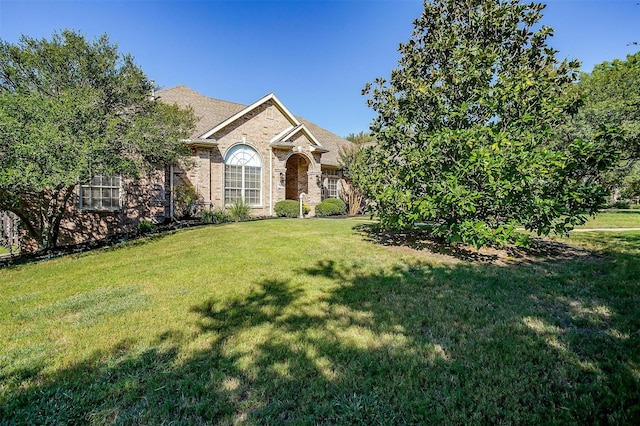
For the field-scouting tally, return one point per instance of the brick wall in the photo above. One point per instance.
(143, 199)
(256, 129)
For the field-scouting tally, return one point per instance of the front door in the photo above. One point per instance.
(297, 178)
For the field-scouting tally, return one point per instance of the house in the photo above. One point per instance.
(259, 154)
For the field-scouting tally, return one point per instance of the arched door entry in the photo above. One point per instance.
(297, 178)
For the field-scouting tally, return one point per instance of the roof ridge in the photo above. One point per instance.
(306, 121)
(212, 112)
(182, 86)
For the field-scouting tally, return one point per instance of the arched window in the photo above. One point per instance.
(242, 176)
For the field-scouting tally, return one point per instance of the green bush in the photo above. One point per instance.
(240, 211)
(146, 226)
(331, 207)
(219, 215)
(184, 199)
(290, 208)
(338, 202)
(621, 204)
(482, 234)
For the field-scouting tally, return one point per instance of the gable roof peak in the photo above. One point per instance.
(269, 97)
(211, 112)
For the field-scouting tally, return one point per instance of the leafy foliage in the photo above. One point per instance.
(610, 99)
(631, 184)
(360, 138)
(331, 207)
(184, 199)
(338, 202)
(466, 129)
(146, 226)
(219, 215)
(72, 109)
(290, 208)
(239, 211)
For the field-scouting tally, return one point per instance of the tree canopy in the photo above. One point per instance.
(466, 129)
(72, 109)
(360, 138)
(610, 96)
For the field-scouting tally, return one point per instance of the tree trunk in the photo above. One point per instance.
(41, 215)
(352, 196)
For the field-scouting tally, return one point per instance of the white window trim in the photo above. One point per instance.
(325, 186)
(229, 155)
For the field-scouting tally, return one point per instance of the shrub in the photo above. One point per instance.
(146, 226)
(338, 202)
(621, 204)
(184, 199)
(290, 208)
(219, 215)
(481, 234)
(331, 207)
(240, 211)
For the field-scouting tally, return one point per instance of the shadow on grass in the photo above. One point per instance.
(419, 239)
(406, 343)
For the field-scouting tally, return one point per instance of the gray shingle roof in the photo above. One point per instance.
(212, 112)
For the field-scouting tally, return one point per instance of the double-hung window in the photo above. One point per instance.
(332, 187)
(243, 176)
(101, 193)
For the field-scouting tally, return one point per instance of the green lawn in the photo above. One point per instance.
(309, 322)
(615, 219)
(5, 250)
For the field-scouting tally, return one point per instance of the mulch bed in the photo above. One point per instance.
(111, 240)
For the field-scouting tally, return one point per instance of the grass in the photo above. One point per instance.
(615, 219)
(308, 322)
(6, 250)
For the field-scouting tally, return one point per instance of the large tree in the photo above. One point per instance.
(71, 109)
(465, 128)
(610, 94)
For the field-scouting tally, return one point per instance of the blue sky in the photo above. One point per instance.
(316, 56)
